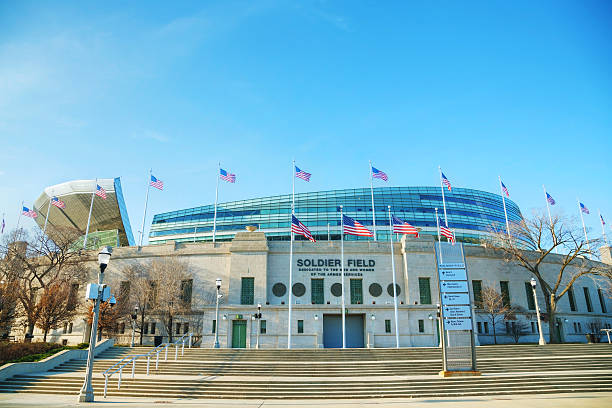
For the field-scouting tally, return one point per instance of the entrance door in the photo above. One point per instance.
(239, 334)
(332, 331)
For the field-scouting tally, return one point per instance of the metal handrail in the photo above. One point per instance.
(132, 358)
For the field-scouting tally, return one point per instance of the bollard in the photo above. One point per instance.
(166, 358)
(157, 360)
(105, 384)
(176, 352)
(133, 367)
(148, 363)
(119, 382)
(183, 349)
(189, 340)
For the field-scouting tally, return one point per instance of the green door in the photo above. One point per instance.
(239, 334)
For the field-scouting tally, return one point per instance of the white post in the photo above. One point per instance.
(93, 194)
(289, 298)
(552, 229)
(443, 199)
(541, 341)
(144, 214)
(373, 208)
(328, 233)
(504, 203)
(394, 285)
(439, 244)
(45, 227)
(603, 229)
(18, 220)
(584, 227)
(216, 200)
(342, 277)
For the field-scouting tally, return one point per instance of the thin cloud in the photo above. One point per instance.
(151, 135)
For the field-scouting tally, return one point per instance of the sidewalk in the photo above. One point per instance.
(581, 400)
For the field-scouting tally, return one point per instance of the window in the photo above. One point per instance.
(70, 328)
(262, 327)
(356, 291)
(533, 327)
(579, 328)
(152, 328)
(185, 328)
(572, 300)
(146, 328)
(316, 291)
(214, 326)
(529, 294)
(65, 328)
(602, 301)
(575, 328)
(505, 291)
(486, 327)
(387, 326)
(477, 290)
(507, 327)
(300, 326)
(186, 289)
(478, 324)
(178, 328)
(122, 328)
(421, 326)
(247, 295)
(424, 291)
(587, 299)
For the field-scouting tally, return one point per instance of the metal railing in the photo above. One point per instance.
(118, 366)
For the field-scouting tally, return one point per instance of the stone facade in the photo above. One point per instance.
(267, 262)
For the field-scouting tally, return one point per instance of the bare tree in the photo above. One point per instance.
(56, 305)
(8, 304)
(517, 330)
(136, 291)
(534, 240)
(36, 262)
(494, 307)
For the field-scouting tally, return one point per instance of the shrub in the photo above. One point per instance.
(19, 351)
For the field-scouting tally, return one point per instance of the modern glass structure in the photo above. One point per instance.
(471, 214)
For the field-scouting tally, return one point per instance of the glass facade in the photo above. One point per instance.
(471, 213)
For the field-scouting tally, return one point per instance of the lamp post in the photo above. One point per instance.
(218, 283)
(86, 394)
(258, 317)
(541, 342)
(134, 316)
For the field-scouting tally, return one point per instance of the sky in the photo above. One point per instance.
(519, 89)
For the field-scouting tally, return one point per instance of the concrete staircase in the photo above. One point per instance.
(330, 373)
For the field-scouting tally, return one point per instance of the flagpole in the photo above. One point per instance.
(393, 271)
(583, 226)
(342, 276)
(552, 229)
(216, 199)
(144, 214)
(45, 227)
(373, 208)
(603, 228)
(291, 252)
(328, 233)
(504, 203)
(443, 198)
(93, 194)
(18, 220)
(439, 239)
(3, 223)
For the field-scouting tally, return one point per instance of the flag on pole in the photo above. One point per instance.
(298, 228)
(100, 192)
(379, 174)
(158, 184)
(29, 213)
(402, 227)
(445, 181)
(302, 174)
(584, 209)
(550, 200)
(226, 176)
(353, 227)
(58, 203)
(446, 232)
(504, 189)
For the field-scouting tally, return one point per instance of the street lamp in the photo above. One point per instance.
(218, 283)
(541, 342)
(258, 317)
(86, 394)
(134, 316)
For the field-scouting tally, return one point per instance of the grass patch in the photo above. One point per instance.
(28, 352)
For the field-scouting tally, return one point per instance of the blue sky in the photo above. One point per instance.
(522, 89)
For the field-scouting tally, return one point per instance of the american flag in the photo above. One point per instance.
(29, 213)
(584, 209)
(402, 227)
(379, 174)
(229, 177)
(504, 189)
(445, 181)
(550, 199)
(353, 227)
(298, 228)
(600, 216)
(158, 184)
(58, 203)
(302, 174)
(446, 232)
(100, 192)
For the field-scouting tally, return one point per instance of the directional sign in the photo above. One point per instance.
(455, 299)
(458, 324)
(452, 286)
(453, 274)
(456, 311)
(452, 265)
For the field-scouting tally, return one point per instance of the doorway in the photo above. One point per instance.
(332, 331)
(239, 333)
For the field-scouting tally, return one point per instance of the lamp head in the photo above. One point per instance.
(373, 317)
(104, 257)
(218, 283)
(259, 306)
(533, 282)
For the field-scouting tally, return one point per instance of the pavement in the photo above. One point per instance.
(581, 400)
